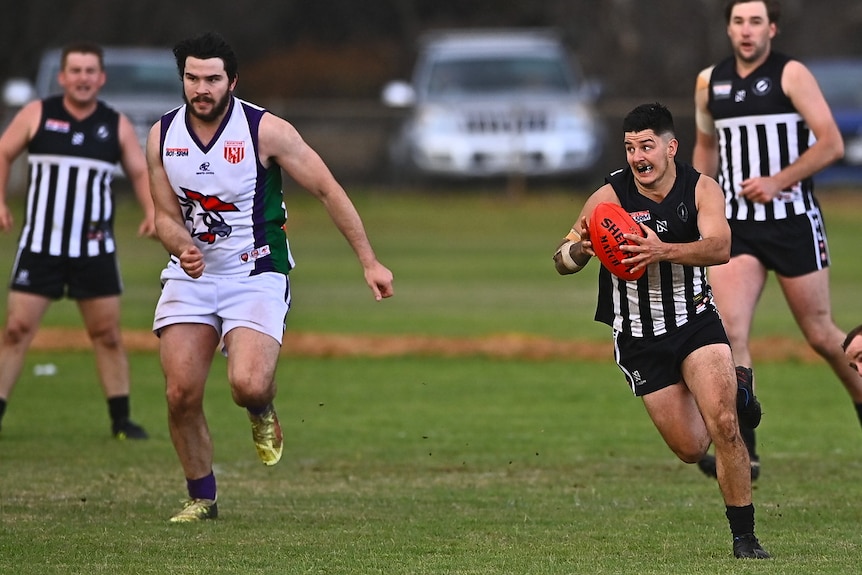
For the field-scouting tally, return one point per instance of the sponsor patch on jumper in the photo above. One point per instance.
(642, 216)
(61, 126)
(254, 254)
(176, 152)
(721, 90)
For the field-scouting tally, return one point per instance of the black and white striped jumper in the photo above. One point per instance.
(759, 133)
(70, 207)
(669, 295)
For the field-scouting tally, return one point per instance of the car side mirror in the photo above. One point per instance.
(592, 89)
(17, 92)
(398, 94)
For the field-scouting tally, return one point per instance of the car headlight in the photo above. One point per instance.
(853, 151)
(436, 119)
(575, 118)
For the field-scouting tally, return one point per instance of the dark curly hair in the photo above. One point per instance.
(205, 46)
(655, 117)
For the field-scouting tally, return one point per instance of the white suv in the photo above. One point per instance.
(491, 103)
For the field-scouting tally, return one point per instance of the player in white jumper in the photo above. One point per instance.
(215, 173)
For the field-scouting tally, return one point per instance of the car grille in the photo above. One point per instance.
(506, 122)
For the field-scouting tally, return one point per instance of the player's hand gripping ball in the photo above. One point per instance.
(608, 223)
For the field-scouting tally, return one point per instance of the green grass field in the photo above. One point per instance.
(427, 464)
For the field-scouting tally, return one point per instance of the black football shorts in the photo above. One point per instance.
(653, 363)
(791, 247)
(57, 276)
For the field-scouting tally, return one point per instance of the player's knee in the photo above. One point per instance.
(249, 390)
(17, 332)
(107, 337)
(691, 456)
(692, 449)
(726, 427)
(824, 344)
(182, 399)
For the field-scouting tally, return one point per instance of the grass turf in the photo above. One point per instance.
(422, 464)
(419, 465)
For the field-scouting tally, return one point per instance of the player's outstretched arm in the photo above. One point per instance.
(281, 143)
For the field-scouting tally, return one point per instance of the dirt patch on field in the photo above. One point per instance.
(512, 346)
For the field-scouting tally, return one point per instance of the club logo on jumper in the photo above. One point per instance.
(762, 86)
(254, 254)
(176, 152)
(204, 214)
(103, 132)
(234, 151)
(204, 170)
(60, 126)
(682, 212)
(78, 139)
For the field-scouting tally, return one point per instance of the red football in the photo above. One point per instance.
(608, 223)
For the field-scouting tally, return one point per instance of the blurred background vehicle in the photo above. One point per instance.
(495, 103)
(142, 82)
(841, 82)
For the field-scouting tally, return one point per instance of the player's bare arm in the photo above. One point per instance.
(712, 248)
(281, 143)
(801, 87)
(135, 166)
(705, 155)
(169, 225)
(12, 143)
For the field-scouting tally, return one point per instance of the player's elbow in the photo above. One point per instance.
(838, 149)
(722, 253)
(716, 251)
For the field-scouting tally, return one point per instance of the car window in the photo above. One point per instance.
(841, 84)
(488, 75)
(148, 78)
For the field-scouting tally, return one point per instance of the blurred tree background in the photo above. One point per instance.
(323, 63)
(350, 48)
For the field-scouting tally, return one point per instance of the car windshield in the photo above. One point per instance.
(142, 78)
(477, 76)
(841, 84)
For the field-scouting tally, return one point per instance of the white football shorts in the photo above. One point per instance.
(259, 302)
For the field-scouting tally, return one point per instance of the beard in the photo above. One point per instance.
(219, 107)
(758, 53)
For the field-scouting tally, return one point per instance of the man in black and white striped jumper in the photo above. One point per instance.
(669, 341)
(763, 130)
(67, 248)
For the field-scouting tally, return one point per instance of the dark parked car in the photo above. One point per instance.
(841, 82)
